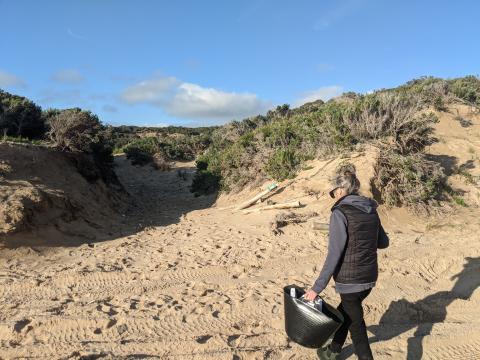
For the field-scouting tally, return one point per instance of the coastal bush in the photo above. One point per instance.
(74, 130)
(467, 88)
(247, 152)
(79, 131)
(71, 130)
(398, 120)
(439, 103)
(141, 151)
(410, 180)
(204, 181)
(436, 91)
(176, 147)
(20, 117)
(177, 143)
(283, 164)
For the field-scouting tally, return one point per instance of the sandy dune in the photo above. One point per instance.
(198, 281)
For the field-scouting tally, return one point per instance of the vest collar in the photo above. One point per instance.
(339, 200)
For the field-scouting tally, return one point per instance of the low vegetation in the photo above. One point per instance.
(76, 132)
(92, 144)
(278, 148)
(144, 150)
(408, 179)
(271, 146)
(160, 146)
(142, 145)
(20, 117)
(398, 120)
(439, 92)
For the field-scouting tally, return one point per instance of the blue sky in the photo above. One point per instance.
(206, 62)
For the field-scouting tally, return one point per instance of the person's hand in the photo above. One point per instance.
(310, 295)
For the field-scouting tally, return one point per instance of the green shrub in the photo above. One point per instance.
(410, 180)
(178, 148)
(201, 165)
(71, 130)
(141, 151)
(439, 103)
(467, 88)
(459, 201)
(74, 130)
(205, 181)
(277, 145)
(175, 143)
(415, 133)
(20, 117)
(435, 90)
(283, 164)
(137, 156)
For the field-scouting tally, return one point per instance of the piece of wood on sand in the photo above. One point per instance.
(288, 205)
(319, 225)
(257, 197)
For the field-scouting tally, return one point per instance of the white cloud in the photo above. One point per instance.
(7, 80)
(324, 93)
(156, 91)
(192, 101)
(68, 76)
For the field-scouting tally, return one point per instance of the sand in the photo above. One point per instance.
(187, 278)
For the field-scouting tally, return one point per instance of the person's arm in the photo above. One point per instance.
(383, 239)
(336, 245)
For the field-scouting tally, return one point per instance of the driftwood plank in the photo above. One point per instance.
(289, 205)
(256, 197)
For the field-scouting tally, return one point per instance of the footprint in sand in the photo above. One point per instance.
(107, 308)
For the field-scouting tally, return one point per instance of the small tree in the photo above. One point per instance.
(20, 117)
(74, 130)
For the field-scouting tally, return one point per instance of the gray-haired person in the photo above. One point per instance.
(355, 233)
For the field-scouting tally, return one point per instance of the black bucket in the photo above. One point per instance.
(306, 325)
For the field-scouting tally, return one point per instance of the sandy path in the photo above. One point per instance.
(208, 285)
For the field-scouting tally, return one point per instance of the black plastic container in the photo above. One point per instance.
(306, 325)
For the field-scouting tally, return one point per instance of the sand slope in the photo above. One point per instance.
(45, 200)
(198, 281)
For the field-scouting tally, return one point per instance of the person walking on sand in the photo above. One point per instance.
(355, 233)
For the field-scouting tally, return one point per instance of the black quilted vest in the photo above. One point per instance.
(358, 264)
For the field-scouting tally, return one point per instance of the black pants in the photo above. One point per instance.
(351, 308)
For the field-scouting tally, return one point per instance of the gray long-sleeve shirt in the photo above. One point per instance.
(337, 242)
